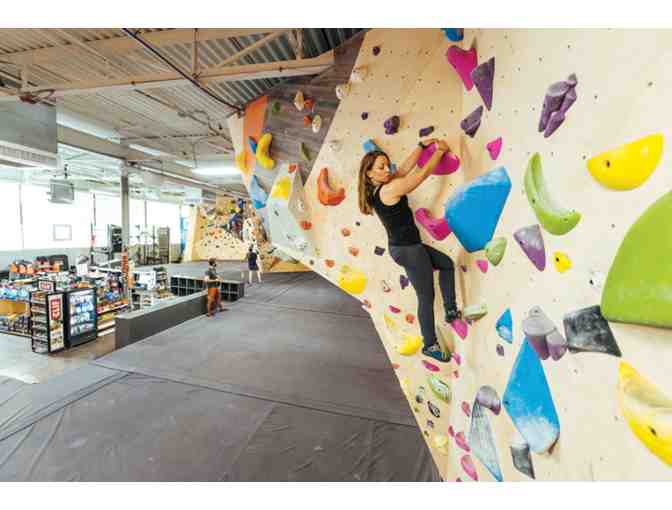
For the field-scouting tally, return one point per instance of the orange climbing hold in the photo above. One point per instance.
(330, 263)
(325, 194)
(353, 251)
(307, 121)
(306, 225)
(410, 318)
(292, 169)
(345, 232)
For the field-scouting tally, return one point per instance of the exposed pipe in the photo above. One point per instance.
(175, 68)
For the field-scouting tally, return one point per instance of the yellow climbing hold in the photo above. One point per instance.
(405, 386)
(628, 166)
(647, 410)
(441, 443)
(281, 188)
(411, 345)
(561, 261)
(351, 280)
(391, 325)
(240, 161)
(262, 151)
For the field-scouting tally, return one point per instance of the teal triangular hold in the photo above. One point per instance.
(529, 403)
(474, 210)
(504, 326)
(257, 194)
(482, 441)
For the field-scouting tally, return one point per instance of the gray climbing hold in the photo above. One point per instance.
(483, 77)
(475, 312)
(522, 460)
(531, 241)
(472, 122)
(558, 100)
(543, 336)
(588, 331)
(488, 397)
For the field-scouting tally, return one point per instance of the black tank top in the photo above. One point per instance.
(397, 220)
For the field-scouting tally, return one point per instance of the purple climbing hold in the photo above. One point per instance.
(472, 122)
(403, 281)
(543, 336)
(392, 125)
(426, 131)
(365, 115)
(559, 98)
(464, 268)
(500, 350)
(379, 251)
(483, 77)
(488, 397)
(376, 51)
(531, 241)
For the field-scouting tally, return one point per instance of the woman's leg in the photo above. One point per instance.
(249, 274)
(444, 264)
(415, 260)
(259, 275)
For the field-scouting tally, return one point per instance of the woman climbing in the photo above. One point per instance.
(386, 193)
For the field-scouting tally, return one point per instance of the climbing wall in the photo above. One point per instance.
(559, 211)
(210, 237)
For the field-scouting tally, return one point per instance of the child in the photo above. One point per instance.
(212, 281)
(252, 264)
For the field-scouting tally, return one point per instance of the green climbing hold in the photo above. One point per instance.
(305, 153)
(276, 108)
(494, 250)
(555, 219)
(639, 283)
(475, 312)
(439, 388)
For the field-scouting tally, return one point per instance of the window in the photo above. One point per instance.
(11, 219)
(165, 214)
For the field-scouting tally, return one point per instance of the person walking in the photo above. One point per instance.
(252, 264)
(212, 282)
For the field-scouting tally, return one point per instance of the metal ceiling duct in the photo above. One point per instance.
(28, 136)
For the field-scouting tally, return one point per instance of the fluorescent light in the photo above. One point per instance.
(214, 171)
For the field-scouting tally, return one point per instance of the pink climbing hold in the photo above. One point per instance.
(394, 309)
(463, 62)
(460, 328)
(494, 148)
(482, 265)
(466, 408)
(430, 366)
(437, 227)
(448, 164)
(451, 432)
(457, 358)
(462, 442)
(469, 468)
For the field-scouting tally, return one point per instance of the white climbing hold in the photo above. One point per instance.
(335, 146)
(317, 124)
(299, 101)
(342, 91)
(358, 74)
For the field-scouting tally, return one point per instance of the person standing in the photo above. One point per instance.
(252, 264)
(213, 283)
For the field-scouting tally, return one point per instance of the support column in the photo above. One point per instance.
(125, 209)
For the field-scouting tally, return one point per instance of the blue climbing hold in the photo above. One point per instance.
(454, 34)
(474, 210)
(529, 403)
(253, 144)
(257, 194)
(504, 326)
(370, 146)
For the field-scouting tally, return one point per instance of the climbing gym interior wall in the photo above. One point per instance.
(213, 236)
(555, 207)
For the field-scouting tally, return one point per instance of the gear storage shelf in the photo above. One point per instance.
(230, 290)
(47, 316)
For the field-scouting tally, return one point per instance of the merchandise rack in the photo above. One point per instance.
(230, 290)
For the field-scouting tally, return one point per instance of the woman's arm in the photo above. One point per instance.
(412, 159)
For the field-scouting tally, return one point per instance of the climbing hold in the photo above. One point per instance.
(299, 100)
(395, 366)
(466, 409)
(379, 251)
(253, 144)
(330, 263)
(463, 268)
(370, 146)
(436, 227)
(482, 265)
(307, 121)
(543, 336)
(430, 366)
(561, 261)
(335, 146)
(410, 318)
(454, 34)
(394, 309)
(457, 358)
(426, 131)
(462, 442)
(522, 460)
(494, 250)
(588, 331)
(317, 124)
(385, 286)
(559, 98)
(310, 105)
(403, 281)
(358, 74)
(292, 169)
(463, 62)
(500, 350)
(281, 188)
(305, 152)
(451, 432)
(472, 122)
(276, 107)
(342, 91)
(391, 125)
(504, 326)
(351, 280)
(488, 397)
(482, 441)
(555, 219)
(531, 241)
(460, 328)
(448, 163)
(420, 395)
(647, 411)
(390, 324)
(469, 468)
(367, 303)
(432, 408)
(474, 209)
(483, 77)
(628, 166)
(365, 115)
(441, 442)
(241, 161)
(345, 232)
(325, 194)
(494, 148)
(529, 403)
(305, 225)
(257, 194)
(376, 51)
(475, 312)
(637, 289)
(353, 251)
(410, 346)
(440, 389)
(430, 424)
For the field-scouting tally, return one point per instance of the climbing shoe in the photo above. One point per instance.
(453, 315)
(434, 351)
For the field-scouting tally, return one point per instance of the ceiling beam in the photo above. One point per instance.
(282, 69)
(122, 44)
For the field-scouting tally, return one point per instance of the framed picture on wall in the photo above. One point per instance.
(62, 232)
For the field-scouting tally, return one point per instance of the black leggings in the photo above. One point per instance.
(419, 261)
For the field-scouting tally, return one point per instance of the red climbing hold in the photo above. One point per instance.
(395, 365)
(430, 366)
(292, 169)
(451, 432)
(353, 251)
(345, 232)
(325, 194)
(306, 225)
(469, 468)
(466, 409)
(367, 303)
(394, 309)
(410, 318)
(461, 441)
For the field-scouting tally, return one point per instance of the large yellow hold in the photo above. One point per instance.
(281, 188)
(410, 346)
(628, 166)
(241, 163)
(262, 152)
(647, 410)
(351, 280)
